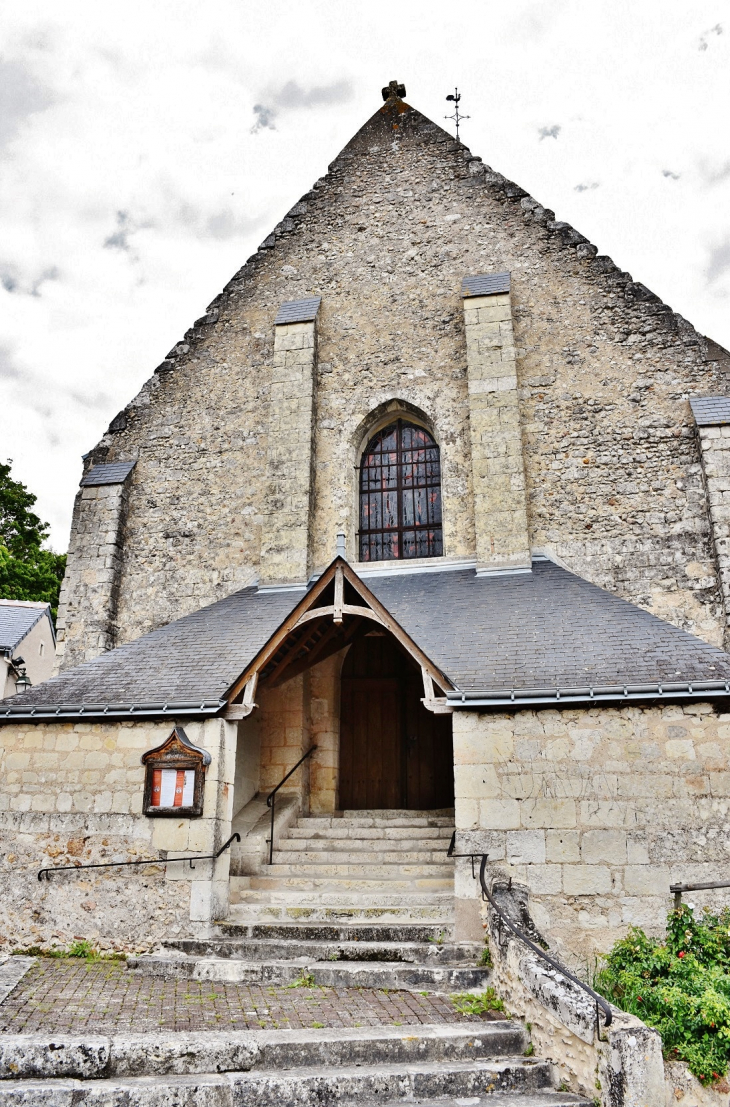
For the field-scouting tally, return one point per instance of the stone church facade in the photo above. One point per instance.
(433, 487)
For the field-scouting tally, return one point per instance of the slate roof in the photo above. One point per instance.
(17, 618)
(116, 472)
(710, 411)
(538, 637)
(187, 665)
(486, 284)
(298, 311)
(536, 633)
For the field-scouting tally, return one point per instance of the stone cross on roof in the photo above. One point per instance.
(394, 90)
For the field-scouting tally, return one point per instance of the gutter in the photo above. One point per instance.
(37, 712)
(617, 693)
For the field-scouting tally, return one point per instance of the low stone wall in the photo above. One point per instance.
(597, 811)
(619, 1066)
(72, 795)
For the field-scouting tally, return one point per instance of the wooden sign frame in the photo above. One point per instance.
(177, 753)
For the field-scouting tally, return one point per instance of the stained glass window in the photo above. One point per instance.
(400, 495)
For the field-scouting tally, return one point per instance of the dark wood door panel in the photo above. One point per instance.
(370, 744)
(393, 753)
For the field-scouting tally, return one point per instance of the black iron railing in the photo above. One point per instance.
(602, 1006)
(126, 864)
(271, 799)
(677, 889)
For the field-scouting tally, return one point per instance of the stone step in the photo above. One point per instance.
(388, 814)
(367, 833)
(306, 852)
(242, 892)
(264, 908)
(288, 949)
(373, 1083)
(304, 882)
(335, 974)
(510, 1082)
(339, 932)
(92, 1056)
(385, 870)
(370, 819)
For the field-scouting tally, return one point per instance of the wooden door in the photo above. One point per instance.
(393, 753)
(370, 744)
(429, 752)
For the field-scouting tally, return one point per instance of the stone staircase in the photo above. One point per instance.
(434, 1065)
(356, 865)
(360, 899)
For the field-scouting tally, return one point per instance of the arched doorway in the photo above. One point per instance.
(393, 752)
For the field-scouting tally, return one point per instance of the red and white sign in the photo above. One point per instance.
(173, 787)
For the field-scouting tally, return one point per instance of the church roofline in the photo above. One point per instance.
(545, 638)
(558, 231)
(614, 694)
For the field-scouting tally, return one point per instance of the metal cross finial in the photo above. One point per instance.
(457, 117)
(394, 89)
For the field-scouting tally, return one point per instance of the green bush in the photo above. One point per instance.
(680, 985)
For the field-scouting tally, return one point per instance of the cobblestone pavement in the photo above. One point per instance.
(103, 996)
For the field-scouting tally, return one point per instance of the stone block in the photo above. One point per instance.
(680, 749)
(526, 847)
(608, 813)
(476, 781)
(499, 814)
(647, 880)
(603, 845)
(548, 814)
(562, 845)
(170, 834)
(546, 880)
(637, 851)
(586, 880)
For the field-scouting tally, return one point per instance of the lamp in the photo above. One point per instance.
(22, 682)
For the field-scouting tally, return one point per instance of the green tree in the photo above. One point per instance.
(27, 572)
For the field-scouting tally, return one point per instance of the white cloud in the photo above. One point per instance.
(131, 187)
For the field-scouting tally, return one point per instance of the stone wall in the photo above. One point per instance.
(612, 466)
(87, 606)
(72, 794)
(618, 1066)
(597, 811)
(498, 470)
(715, 447)
(288, 493)
(302, 712)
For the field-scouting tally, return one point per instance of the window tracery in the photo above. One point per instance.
(400, 495)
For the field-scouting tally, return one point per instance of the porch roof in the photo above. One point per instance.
(521, 638)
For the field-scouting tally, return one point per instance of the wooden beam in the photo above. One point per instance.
(347, 609)
(339, 595)
(284, 630)
(290, 656)
(437, 705)
(335, 640)
(305, 611)
(242, 710)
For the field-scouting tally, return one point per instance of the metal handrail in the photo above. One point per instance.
(677, 889)
(122, 864)
(600, 1002)
(271, 799)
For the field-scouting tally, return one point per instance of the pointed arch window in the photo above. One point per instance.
(400, 495)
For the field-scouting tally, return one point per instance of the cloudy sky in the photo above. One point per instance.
(146, 148)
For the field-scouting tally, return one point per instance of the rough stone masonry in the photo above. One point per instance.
(612, 474)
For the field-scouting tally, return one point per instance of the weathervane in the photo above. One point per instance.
(457, 117)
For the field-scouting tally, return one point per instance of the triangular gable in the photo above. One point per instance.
(316, 628)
